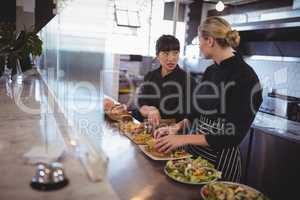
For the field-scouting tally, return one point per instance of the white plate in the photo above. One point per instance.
(143, 148)
(229, 183)
(190, 183)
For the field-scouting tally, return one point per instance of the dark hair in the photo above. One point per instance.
(167, 43)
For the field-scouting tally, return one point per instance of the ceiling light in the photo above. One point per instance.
(220, 6)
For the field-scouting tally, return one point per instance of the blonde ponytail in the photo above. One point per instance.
(233, 38)
(220, 29)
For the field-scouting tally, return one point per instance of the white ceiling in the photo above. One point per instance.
(231, 2)
(181, 1)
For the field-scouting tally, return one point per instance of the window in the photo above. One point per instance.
(128, 18)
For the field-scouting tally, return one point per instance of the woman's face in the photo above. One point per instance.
(206, 46)
(168, 59)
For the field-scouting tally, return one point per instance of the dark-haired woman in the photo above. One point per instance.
(163, 93)
(229, 97)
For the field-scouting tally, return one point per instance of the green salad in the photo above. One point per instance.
(194, 171)
(230, 191)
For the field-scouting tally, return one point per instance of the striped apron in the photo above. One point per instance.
(226, 160)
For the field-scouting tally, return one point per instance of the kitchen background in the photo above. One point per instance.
(273, 56)
(148, 20)
(118, 38)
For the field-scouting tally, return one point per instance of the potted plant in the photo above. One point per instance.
(16, 49)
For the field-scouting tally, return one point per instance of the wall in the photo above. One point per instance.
(280, 75)
(205, 8)
(43, 12)
(274, 74)
(255, 8)
(194, 13)
(24, 19)
(8, 11)
(142, 40)
(25, 14)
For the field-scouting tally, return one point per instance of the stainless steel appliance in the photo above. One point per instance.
(272, 161)
(282, 106)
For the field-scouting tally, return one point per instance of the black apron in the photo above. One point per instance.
(226, 160)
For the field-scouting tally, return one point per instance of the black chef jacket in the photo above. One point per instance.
(171, 94)
(230, 119)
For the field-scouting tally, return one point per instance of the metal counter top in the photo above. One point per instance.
(135, 176)
(277, 126)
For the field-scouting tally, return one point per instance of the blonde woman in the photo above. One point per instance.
(225, 103)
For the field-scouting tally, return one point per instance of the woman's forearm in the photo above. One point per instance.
(182, 124)
(195, 140)
(145, 110)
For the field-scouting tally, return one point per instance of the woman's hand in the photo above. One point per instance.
(154, 117)
(118, 109)
(108, 104)
(167, 130)
(170, 142)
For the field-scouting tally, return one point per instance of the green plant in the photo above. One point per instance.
(18, 45)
